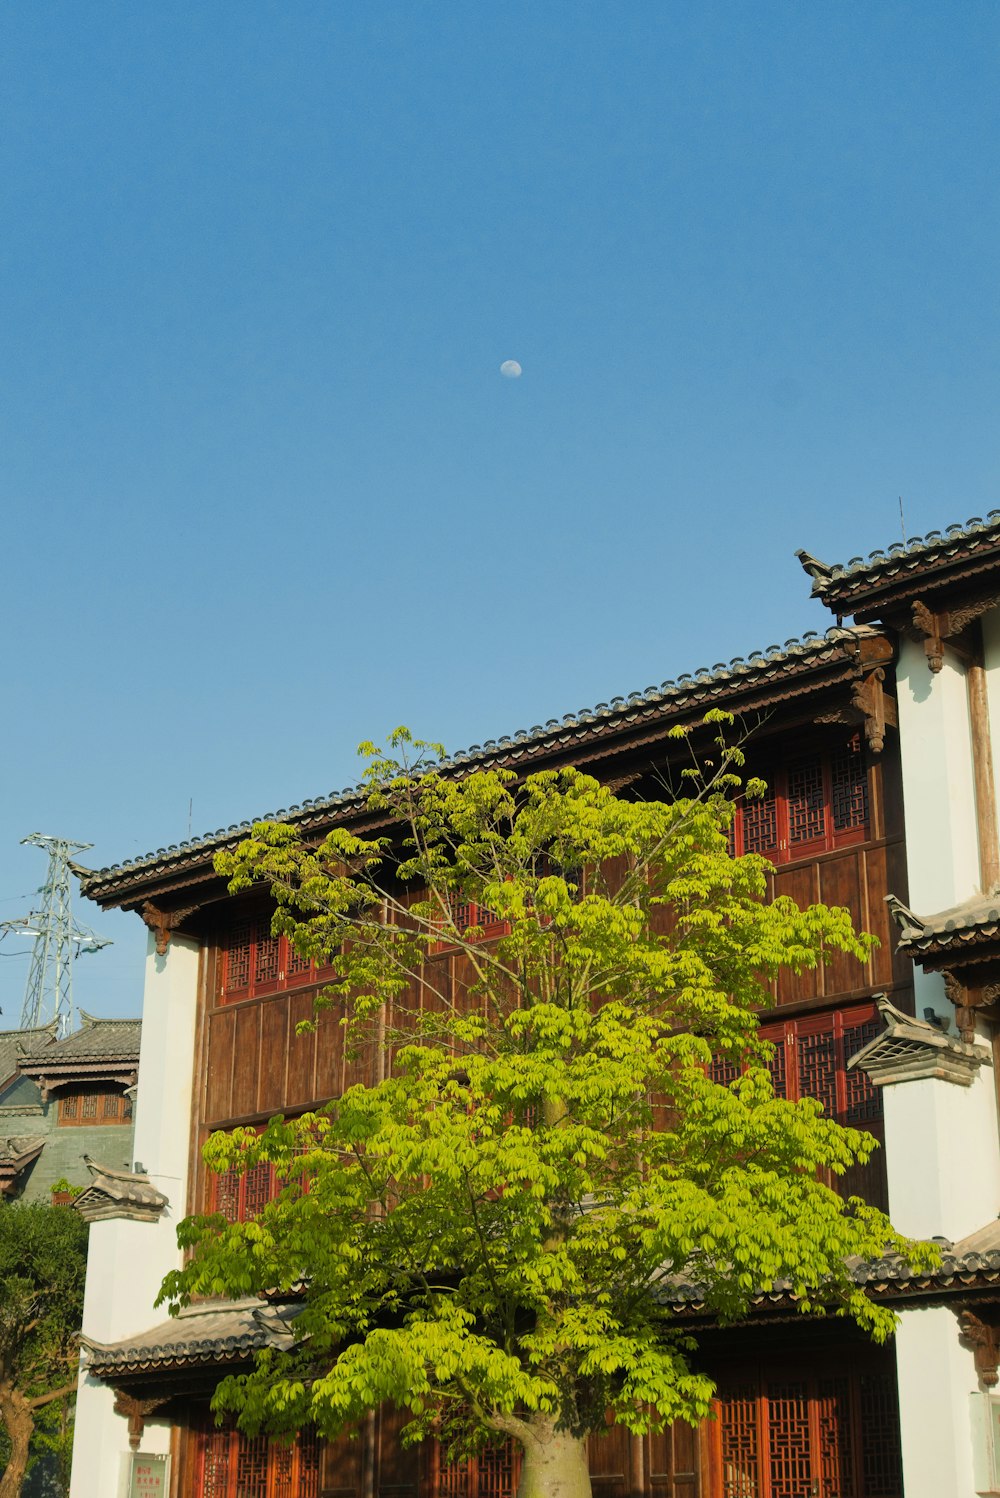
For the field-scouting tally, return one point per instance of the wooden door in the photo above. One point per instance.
(831, 1433)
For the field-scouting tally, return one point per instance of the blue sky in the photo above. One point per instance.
(264, 490)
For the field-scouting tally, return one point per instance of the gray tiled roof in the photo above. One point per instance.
(966, 924)
(704, 688)
(212, 1331)
(98, 1040)
(972, 1262)
(15, 1044)
(899, 560)
(17, 1149)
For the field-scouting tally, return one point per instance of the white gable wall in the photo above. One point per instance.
(128, 1260)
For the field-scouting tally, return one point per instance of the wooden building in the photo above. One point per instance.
(803, 1408)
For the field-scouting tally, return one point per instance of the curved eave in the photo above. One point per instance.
(888, 587)
(774, 681)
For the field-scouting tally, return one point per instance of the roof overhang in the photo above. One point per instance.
(803, 676)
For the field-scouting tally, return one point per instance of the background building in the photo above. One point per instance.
(64, 1100)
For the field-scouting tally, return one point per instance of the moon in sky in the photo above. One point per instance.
(510, 369)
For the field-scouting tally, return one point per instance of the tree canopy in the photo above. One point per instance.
(43, 1264)
(488, 1237)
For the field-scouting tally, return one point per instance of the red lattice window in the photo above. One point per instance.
(252, 961)
(241, 1195)
(812, 804)
(738, 1442)
(760, 823)
(235, 1466)
(810, 1060)
(485, 922)
(806, 801)
(788, 1445)
(849, 787)
(831, 1434)
(492, 1473)
(93, 1106)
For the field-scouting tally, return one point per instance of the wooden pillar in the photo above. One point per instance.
(982, 769)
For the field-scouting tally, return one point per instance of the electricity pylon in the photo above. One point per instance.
(48, 993)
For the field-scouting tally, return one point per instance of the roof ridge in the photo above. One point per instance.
(809, 642)
(914, 545)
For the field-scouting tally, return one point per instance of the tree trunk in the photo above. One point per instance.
(15, 1411)
(555, 1464)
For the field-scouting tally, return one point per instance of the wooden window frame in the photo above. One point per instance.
(232, 1465)
(764, 1446)
(810, 1058)
(253, 963)
(781, 806)
(72, 1110)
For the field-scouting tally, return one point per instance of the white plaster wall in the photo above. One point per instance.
(936, 1376)
(128, 1260)
(939, 802)
(943, 1154)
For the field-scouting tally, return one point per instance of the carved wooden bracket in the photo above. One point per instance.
(983, 1341)
(965, 1005)
(164, 922)
(934, 627)
(868, 696)
(135, 1411)
(870, 705)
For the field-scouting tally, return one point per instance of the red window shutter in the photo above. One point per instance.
(849, 787)
(806, 802)
(737, 1410)
(251, 1466)
(788, 1443)
(265, 963)
(215, 1464)
(237, 958)
(294, 965)
(256, 1190)
(760, 823)
(227, 1195)
(817, 1063)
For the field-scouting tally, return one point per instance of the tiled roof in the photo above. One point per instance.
(968, 924)
(98, 1040)
(18, 1149)
(707, 687)
(972, 1263)
(17, 1043)
(118, 1193)
(214, 1331)
(862, 581)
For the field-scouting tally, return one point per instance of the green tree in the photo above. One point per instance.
(488, 1237)
(43, 1265)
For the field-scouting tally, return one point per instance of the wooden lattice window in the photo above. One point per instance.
(810, 1060)
(830, 1435)
(492, 1473)
(252, 961)
(232, 1465)
(485, 923)
(93, 1106)
(813, 803)
(241, 1195)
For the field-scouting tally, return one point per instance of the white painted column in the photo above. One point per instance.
(936, 1376)
(939, 802)
(991, 664)
(128, 1260)
(942, 1151)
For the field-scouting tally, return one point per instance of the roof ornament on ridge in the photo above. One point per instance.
(913, 1050)
(118, 1193)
